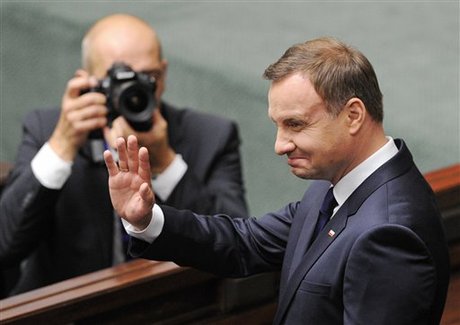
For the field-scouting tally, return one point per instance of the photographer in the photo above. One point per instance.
(55, 213)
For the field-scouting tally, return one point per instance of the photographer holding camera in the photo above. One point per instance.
(56, 218)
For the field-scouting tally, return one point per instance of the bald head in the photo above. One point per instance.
(120, 37)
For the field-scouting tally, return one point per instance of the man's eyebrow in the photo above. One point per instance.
(293, 119)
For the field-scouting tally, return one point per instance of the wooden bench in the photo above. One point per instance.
(161, 292)
(446, 185)
(143, 291)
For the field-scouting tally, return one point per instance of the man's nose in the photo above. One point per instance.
(283, 144)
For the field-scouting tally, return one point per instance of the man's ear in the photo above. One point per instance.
(356, 114)
(161, 84)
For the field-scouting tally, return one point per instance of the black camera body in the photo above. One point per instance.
(130, 94)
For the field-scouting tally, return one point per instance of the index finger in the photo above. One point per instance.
(78, 83)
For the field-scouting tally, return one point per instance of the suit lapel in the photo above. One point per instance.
(306, 232)
(306, 215)
(310, 256)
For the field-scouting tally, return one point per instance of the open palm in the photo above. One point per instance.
(129, 182)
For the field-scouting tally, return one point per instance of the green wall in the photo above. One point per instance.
(217, 52)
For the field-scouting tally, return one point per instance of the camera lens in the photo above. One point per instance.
(130, 94)
(135, 99)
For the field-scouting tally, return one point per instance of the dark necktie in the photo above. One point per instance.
(325, 212)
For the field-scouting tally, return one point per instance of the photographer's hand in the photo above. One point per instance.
(79, 116)
(129, 182)
(155, 140)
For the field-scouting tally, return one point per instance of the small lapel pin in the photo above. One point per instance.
(331, 233)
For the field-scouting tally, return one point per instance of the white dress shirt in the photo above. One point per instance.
(52, 171)
(350, 182)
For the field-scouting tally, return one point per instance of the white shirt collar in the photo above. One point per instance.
(350, 182)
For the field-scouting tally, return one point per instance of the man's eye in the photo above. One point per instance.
(294, 124)
(156, 73)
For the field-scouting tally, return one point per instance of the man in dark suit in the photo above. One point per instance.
(55, 211)
(380, 258)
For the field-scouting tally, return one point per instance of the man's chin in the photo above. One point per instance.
(302, 173)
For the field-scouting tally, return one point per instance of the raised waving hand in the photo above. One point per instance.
(130, 182)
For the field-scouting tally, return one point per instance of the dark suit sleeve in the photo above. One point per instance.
(232, 247)
(213, 182)
(25, 206)
(390, 278)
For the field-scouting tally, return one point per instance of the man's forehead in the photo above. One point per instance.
(139, 57)
(293, 99)
(294, 87)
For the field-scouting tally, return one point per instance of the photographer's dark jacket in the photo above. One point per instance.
(59, 234)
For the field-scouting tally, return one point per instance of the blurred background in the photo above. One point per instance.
(217, 52)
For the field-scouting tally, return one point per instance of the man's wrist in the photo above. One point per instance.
(64, 150)
(152, 230)
(50, 169)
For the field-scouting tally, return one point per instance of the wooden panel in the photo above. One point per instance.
(98, 292)
(444, 179)
(451, 314)
(445, 182)
(142, 290)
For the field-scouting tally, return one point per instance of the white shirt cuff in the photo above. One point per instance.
(50, 170)
(165, 182)
(152, 231)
